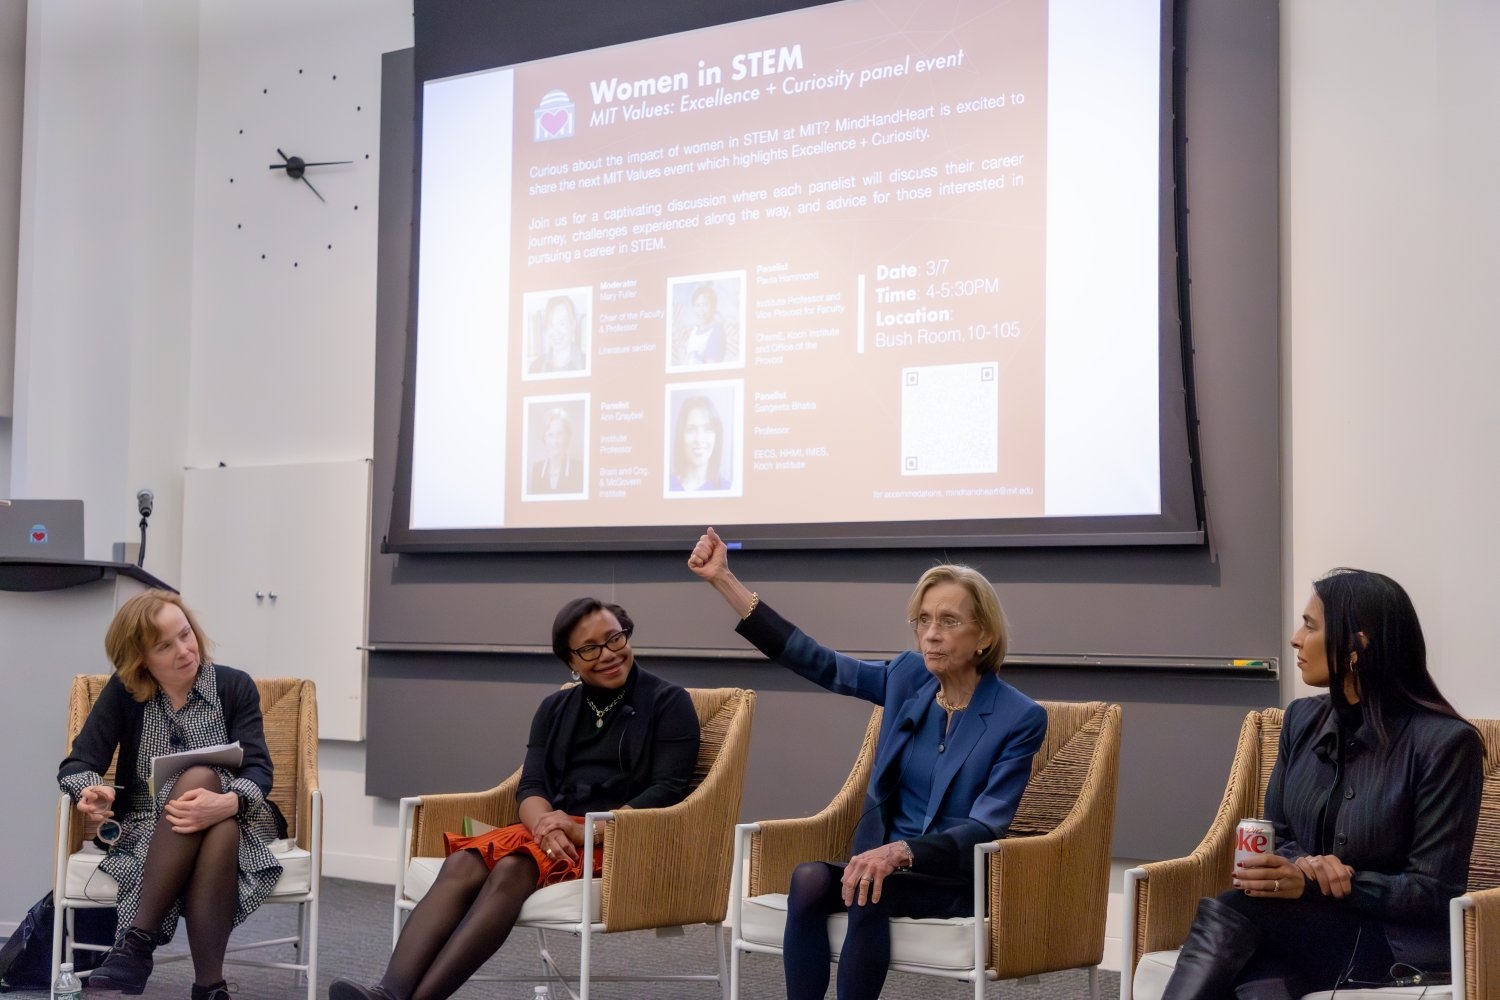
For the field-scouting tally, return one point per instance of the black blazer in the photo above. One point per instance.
(658, 743)
(1406, 820)
(116, 721)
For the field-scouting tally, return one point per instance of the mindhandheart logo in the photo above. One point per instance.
(554, 117)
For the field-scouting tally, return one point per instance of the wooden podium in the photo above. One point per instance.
(53, 614)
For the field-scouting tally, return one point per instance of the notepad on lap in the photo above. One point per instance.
(168, 766)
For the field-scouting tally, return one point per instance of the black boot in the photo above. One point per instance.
(1219, 944)
(128, 964)
(216, 991)
(348, 989)
(1269, 989)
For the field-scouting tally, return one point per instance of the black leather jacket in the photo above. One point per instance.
(1405, 823)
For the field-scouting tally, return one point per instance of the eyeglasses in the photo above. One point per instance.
(589, 652)
(945, 623)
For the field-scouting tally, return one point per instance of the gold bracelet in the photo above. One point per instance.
(754, 603)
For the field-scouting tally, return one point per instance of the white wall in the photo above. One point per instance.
(105, 236)
(283, 361)
(1391, 322)
(283, 356)
(143, 343)
(12, 92)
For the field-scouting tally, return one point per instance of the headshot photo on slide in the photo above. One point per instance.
(704, 440)
(555, 431)
(556, 339)
(706, 321)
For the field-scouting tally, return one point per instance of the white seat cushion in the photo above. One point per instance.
(551, 904)
(87, 882)
(1388, 993)
(946, 944)
(1156, 967)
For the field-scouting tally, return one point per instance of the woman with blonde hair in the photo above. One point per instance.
(197, 848)
(954, 756)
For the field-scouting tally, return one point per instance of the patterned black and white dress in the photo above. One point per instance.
(223, 705)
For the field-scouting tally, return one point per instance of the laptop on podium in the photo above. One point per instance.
(41, 529)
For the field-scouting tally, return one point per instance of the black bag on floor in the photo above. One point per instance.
(26, 958)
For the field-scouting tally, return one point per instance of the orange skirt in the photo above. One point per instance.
(516, 839)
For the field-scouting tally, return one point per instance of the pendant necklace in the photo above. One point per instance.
(600, 713)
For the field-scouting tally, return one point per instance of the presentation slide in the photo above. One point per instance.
(873, 261)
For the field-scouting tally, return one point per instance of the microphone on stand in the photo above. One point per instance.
(145, 502)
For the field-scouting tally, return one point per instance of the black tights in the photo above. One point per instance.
(817, 892)
(202, 870)
(463, 920)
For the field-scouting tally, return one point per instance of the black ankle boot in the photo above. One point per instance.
(348, 989)
(216, 991)
(1219, 944)
(128, 964)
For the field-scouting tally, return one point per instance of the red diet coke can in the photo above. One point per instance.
(1252, 839)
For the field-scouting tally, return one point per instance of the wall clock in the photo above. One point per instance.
(302, 168)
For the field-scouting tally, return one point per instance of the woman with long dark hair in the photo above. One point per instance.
(1375, 799)
(698, 447)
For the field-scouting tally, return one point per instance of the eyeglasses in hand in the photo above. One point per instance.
(589, 652)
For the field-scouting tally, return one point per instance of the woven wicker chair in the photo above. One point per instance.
(290, 711)
(1046, 884)
(1161, 898)
(636, 891)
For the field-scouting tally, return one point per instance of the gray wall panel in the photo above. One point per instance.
(1218, 602)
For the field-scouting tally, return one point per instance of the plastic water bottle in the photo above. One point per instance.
(541, 993)
(67, 986)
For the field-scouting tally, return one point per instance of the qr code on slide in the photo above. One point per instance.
(950, 419)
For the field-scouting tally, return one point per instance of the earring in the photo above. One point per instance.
(575, 675)
(982, 649)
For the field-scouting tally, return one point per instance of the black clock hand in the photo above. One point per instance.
(303, 166)
(314, 190)
(296, 166)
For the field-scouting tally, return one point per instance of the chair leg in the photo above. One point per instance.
(58, 912)
(734, 968)
(584, 947)
(719, 956)
(1093, 982)
(310, 946)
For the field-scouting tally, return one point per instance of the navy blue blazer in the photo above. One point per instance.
(979, 778)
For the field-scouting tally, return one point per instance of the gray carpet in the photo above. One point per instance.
(355, 938)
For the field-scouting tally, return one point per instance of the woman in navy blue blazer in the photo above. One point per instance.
(954, 756)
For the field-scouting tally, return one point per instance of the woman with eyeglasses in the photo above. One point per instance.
(198, 848)
(618, 739)
(954, 756)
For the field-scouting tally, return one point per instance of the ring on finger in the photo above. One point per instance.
(1278, 886)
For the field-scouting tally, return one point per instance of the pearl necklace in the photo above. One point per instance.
(600, 713)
